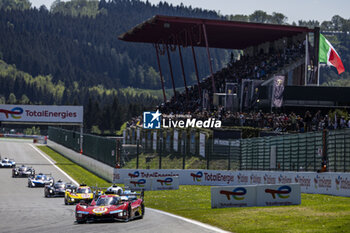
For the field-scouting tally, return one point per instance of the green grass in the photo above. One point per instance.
(78, 173)
(317, 213)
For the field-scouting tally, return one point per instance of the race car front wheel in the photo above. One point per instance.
(142, 210)
(81, 221)
(128, 214)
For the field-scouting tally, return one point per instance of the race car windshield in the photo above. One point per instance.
(4, 161)
(39, 178)
(59, 186)
(103, 201)
(22, 169)
(84, 190)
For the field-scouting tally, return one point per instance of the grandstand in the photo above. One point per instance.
(246, 84)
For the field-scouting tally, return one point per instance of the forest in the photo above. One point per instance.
(70, 54)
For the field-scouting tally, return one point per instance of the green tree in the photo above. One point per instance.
(12, 99)
(259, 17)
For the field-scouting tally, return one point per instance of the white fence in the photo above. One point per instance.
(310, 182)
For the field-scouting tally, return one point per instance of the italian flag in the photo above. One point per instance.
(328, 55)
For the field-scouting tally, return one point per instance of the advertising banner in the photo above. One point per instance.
(176, 140)
(202, 144)
(138, 134)
(193, 143)
(310, 182)
(124, 136)
(277, 91)
(233, 196)
(167, 141)
(165, 183)
(138, 184)
(41, 113)
(222, 137)
(276, 195)
(154, 144)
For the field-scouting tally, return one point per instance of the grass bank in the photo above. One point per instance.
(317, 213)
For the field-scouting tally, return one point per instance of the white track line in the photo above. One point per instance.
(211, 228)
(214, 229)
(63, 172)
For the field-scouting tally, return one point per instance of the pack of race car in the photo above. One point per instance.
(93, 204)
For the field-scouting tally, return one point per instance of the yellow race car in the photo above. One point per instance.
(82, 193)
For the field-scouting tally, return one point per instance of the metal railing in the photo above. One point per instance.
(193, 149)
(100, 148)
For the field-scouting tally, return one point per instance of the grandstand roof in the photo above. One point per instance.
(221, 33)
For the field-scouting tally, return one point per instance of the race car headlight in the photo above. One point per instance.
(81, 213)
(116, 212)
(50, 191)
(33, 184)
(120, 214)
(72, 199)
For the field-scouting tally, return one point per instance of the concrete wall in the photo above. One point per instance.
(100, 169)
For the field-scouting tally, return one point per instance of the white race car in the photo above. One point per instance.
(40, 180)
(7, 163)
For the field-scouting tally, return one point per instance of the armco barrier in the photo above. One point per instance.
(159, 183)
(98, 168)
(332, 183)
(255, 195)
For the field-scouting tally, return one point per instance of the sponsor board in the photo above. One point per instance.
(276, 195)
(41, 113)
(165, 183)
(310, 182)
(138, 183)
(233, 196)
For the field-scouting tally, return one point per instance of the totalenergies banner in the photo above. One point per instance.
(155, 183)
(255, 195)
(41, 113)
(333, 183)
(233, 196)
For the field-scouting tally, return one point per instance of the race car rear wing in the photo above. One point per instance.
(133, 193)
(46, 174)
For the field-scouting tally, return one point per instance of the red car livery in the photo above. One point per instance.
(110, 207)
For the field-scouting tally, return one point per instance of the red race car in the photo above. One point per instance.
(111, 207)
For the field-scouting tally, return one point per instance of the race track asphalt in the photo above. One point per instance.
(24, 209)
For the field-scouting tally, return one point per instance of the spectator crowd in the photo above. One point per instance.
(261, 67)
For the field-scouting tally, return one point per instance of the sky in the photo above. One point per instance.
(295, 10)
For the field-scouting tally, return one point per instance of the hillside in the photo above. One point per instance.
(84, 48)
(104, 109)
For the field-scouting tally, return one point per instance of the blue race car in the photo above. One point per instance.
(7, 163)
(40, 180)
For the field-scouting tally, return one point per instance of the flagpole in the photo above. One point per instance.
(316, 55)
(306, 56)
(318, 74)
